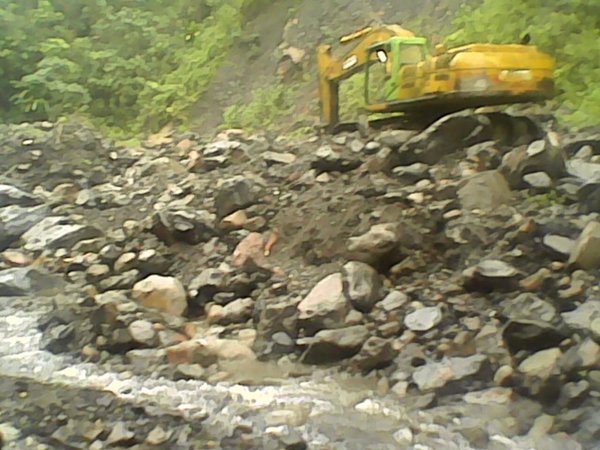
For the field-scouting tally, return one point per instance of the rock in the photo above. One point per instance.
(536, 281)
(16, 258)
(235, 193)
(125, 262)
(559, 246)
(142, 332)
(539, 156)
(542, 364)
(435, 375)
(328, 346)
(57, 232)
(394, 300)
(278, 157)
(158, 436)
(234, 221)
(165, 294)
(376, 244)
(250, 253)
(532, 335)
(177, 224)
(451, 133)
(16, 220)
(586, 171)
(325, 306)
(238, 311)
(540, 181)
(275, 316)
(120, 435)
(23, 281)
(207, 351)
(490, 274)
(328, 160)
(11, 195)
(376, 353)
(394, 139)
(412, 173)
(528, 307)
(588, 196)
(423, 319)
(585, 318)
(486, 190)
(586, 250)
(362, 285)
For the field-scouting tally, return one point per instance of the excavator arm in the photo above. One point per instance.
(334, 69)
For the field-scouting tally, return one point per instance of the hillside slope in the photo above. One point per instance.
(303, 24)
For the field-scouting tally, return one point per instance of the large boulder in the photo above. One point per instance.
(362, 285)
(165, 294)
(329, 346)
(16, 220)
(486, 190)
(57, 232)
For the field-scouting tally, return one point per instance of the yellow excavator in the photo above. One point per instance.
(402, 76)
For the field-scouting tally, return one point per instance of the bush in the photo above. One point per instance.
(130, 65)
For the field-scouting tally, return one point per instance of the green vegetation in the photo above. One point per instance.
(552, 198)
(129, 65)
(267, 106)
(567, 29)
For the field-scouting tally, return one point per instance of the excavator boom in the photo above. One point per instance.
(332, 69)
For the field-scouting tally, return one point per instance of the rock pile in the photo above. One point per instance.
(447, 261)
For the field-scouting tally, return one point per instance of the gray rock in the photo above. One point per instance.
(329, 160)
(375, 244)
(588, 196)
(57, 232)
(142, 332)
(423, 319)
(435, 375)
(22, 281)
(375, 353)
(362, 285)
(11, 195)
(485, 190)
(325, 306)
(585, 318)
(394, 138)
(16, 220)
(542, 364)
(394, 300)
(278, 158)
(120, 435)
(238, 311)
(188, 225)
(559, 246)
(586, 171)
(539, 156)
(235, 193)
(412, 173)
(329, 346)
(586, 251)
(528, 307)
(271, 317)
(490, 274)
(538, 180)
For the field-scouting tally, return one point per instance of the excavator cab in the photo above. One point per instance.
(389, 63)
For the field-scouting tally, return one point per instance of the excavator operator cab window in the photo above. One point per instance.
(378, 75)
(411, 54)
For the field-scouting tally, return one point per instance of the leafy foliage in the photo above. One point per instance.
(129, 64)
(567, 29)
(266, 107)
